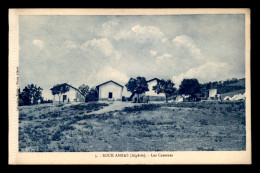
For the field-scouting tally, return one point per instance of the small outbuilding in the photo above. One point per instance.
(182, 98)
(73, 95)
(179, 98)
(213, 92)
(110, 90)
(151, 94)
(213, 95)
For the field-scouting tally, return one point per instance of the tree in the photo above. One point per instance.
(25, 97)
(166, 87)
(35, 93)
(20, 98)
(84, 89)
(137, 86)
(92, 95)
(31, 94)
(190, 87)
(60, 89)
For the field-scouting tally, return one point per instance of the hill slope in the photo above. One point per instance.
(226, 88)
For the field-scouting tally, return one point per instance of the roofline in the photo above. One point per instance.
(153, 79)
(212, 89)
(110, 81)
(71, 87)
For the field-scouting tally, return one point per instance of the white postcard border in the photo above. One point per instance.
(171, 157)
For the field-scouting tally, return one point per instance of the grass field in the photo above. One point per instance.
(201, 126)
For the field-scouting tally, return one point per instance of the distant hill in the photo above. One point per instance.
(232, 93)
(237, 88)
(225, 88)
(240, 82)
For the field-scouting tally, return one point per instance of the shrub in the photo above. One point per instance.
(203, 122)
(22, 116)
(55, 114)
(57, 136)
(48, 124)
(205, 149)
(142, 122)
(66, 127)
(68, 149)
(144, 107)
(30, 117)
(143, 134)
(89, 107)
(171, 135)
(43, 116)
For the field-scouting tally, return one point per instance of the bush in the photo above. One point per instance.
(144, 107)
(89, 107)
(22, 116)
(57, 136)
(66, 127)
(205, 149)
(55, 114)
(43, 116)
(142, 122)
(203, 122)
(92, 95)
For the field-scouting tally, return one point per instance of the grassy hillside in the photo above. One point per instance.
(232, 93)
(240, 82)
(239, 88)
(228, 87)
(202, 126)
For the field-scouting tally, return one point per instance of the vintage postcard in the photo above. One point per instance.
(129, 86)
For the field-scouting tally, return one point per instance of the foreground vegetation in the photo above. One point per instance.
(208, 126)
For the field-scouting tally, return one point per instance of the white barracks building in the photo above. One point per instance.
(109, 90)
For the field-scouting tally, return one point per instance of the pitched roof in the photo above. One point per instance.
(108, 82)
(153, 79)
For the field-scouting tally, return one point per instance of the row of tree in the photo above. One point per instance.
(139, 86)
(223, 86)
(190, 87)
(90, 94)
(30, 95)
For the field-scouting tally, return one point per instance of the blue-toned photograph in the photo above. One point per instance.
(101, 83)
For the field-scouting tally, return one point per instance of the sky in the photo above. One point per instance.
(93, 49)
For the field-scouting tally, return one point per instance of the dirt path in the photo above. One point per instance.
(116, 105)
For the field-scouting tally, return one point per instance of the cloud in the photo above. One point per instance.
(164, 56)
(210, 71)
(141, 34)
(70, 44)
(152, 30)
(186, 42)
(102, 45)
(105, 74)
(164, 40)
(38, 43)
(110, 73)
(109, 28)
(153, 52)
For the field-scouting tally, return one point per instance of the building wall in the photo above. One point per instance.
(212, 92)
(179, 99)
(71, 96)
(151, 92)
(110, 87)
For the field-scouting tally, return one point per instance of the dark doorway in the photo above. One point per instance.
(110, 95)
(64, 97)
